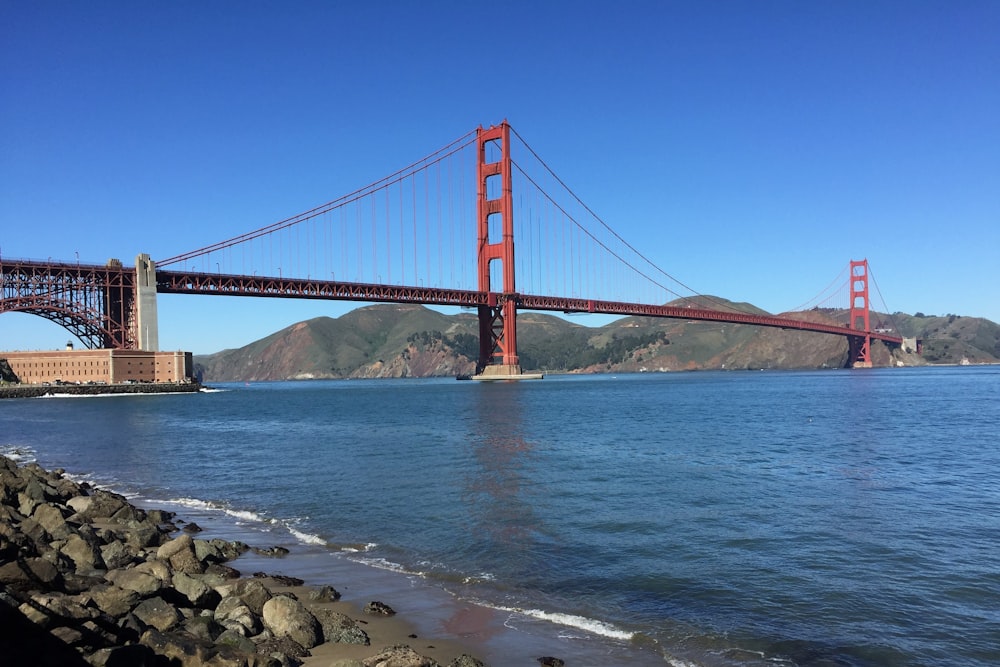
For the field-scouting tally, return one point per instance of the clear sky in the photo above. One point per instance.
(749, 148)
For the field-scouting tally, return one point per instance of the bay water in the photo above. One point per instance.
(709, 518)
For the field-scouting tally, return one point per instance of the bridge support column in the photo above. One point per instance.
(498, 358)
(860, 346)
(146, 319)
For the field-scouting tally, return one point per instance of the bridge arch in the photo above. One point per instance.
(96, 304)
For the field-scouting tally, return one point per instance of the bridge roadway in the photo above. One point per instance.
(184, 282)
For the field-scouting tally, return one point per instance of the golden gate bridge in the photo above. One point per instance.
(467, 225)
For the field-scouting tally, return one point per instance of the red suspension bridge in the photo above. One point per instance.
(439, 232)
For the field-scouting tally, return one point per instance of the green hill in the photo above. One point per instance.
(390, 340)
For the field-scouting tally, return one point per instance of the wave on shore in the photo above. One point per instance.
(353, 551)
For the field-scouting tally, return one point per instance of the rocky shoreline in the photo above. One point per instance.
(36, 390)
(86, 578)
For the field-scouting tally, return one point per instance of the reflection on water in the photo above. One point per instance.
(497, 487)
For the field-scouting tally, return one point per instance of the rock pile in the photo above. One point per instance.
(88, 579)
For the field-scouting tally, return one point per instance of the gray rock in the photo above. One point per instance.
(37, 534)
(203, 627)
(233, 614)
(282, 649)
(340, 628)
(198, 593)
(103, 505)
(466, 660)
(253, 593)
(207, 552)
(181, 555)
(51, 518)
(287, 617)
(158, 568)
(116, 555)
(188, 651)
(85, 554)
(144, 534)
(229, 550)
(31, 574)
(44, 608)
(80, 504)
(376, 608)
(224, 571)
(157, 613)
(113, 600)
(133, 579)
(399, 656)
(324, 594)
(173, 546)
(237, 640)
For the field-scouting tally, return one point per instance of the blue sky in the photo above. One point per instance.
(751, 149)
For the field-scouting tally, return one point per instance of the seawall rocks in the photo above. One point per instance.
(86, 578)
(37, 390)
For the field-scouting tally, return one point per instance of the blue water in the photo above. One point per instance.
(768, 518)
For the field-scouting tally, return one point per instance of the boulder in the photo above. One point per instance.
(233, 614)
(197, 592)
(45, 609)
(287, 617)
(103, 505)
(31, 574)
(180, 649)
(223, 571)
(376, 608)
(181, 555)
(236, 640)
(340, 628)
(116, 555)
(171, 547)
(203, 627)
(39, 537)
(399, 656)
(80, 504)
(114, 600)
(143, 535)
(157, 568)
(466, 660)
(157, 613)
(207, 552)
(253, 593)
(282, 649)
(324, 594)
(51, 518)
(134, 579)
(85, 554)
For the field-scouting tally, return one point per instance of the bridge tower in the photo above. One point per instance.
(146, 322)
(859, 346)
(495, 250)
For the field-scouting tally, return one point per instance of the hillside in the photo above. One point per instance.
(390, 340)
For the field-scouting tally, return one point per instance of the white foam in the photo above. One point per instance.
(590, 625)
(363, 548)
(19, 454)
(306, 538)
(383, 564)
(113, 395)
(211, 390)
(195, 503)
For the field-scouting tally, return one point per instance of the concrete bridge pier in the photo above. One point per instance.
(146, 320)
